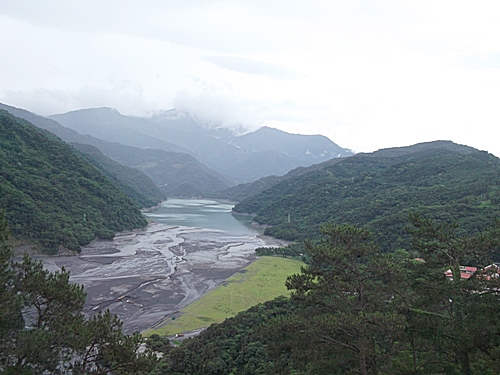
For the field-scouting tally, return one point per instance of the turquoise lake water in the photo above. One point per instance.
(202, 213)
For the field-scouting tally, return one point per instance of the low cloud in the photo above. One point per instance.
(212, 110)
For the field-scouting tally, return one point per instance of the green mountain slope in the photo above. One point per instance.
(177, 173)
(242, 191)
(441, 180)
(54, 197)
(135, 184)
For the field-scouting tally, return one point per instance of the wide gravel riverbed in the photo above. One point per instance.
(147, 275)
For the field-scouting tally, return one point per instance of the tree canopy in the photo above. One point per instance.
(356, 309)
(54, 197)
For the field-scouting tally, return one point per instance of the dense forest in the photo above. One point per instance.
(356, 309)
(54, 197)
(374, 297)
(241, 192)
(353, 309)
(441, 180)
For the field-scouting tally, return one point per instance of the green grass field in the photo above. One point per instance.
(261, 281)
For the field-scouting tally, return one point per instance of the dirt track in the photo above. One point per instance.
(145, 276)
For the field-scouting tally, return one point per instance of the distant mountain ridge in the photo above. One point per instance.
(301, 147)
(109, 125)
(241, 158)
(174, 173)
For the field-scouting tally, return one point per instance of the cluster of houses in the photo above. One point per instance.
(491, 271)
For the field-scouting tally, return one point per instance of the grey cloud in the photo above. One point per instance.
(225, 26)
(252, 67)
(222, 111)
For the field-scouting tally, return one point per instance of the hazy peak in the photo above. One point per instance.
(87, 111)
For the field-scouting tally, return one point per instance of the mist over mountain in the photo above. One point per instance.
(109, 125)
(186, 158)
(306, 148)
(242, 158)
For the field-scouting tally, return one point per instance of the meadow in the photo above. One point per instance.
(261, 281)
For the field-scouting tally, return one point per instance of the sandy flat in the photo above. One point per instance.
(147, 275)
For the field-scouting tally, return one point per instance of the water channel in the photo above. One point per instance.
(145, 276)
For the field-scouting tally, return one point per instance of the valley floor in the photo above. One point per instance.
(148, 275)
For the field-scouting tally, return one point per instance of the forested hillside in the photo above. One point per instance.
(54, 197)
(135, 184)
(176, 173)
(440, 180)
(243, 191)
(357, 310)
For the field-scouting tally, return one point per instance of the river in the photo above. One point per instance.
(147, 275)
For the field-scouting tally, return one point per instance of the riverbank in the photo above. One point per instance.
(145, 275)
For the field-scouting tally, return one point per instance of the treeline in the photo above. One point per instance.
(43, 329)
(447, 182)
(294, 250)
(356, 309)
(54, 197)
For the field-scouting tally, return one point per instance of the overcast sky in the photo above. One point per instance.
(367, 74)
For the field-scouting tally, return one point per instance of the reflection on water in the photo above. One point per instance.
(202, 213)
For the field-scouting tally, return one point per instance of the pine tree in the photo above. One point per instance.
(349, 297)
(10, 303)
(453, 324)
